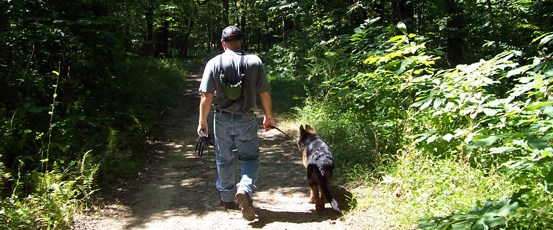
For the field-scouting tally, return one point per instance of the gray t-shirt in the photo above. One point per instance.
(255, 81)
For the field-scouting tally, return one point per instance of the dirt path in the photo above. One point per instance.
(178, 190)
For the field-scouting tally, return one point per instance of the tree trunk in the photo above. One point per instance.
(243, 28)
(162, 41)
(225, 12)
(454, 39)
(148, 46)
(4, 49)
(379, 10)
(287, 26)
(493, 30)
(404, 12)
(185, 36)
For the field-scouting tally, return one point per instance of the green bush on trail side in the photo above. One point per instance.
(466, 147)
(92, 138)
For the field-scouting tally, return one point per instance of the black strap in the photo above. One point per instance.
(240, 73)
(202, 144)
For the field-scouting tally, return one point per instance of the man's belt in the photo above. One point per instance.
(232, 113)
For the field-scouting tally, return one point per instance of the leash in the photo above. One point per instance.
(300, 147)
(202, 143)
(285, 134)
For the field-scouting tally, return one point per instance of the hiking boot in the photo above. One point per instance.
(248, 212)
(229, 205)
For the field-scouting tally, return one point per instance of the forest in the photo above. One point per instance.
(445, 104)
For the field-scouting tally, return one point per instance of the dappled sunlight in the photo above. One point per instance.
(190, 181)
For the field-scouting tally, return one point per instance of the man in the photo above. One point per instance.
(234, 119)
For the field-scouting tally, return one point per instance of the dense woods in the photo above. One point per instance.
(444, 103)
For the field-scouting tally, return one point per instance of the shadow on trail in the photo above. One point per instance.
(267, 217)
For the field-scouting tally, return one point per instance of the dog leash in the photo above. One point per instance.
(292, 138)
(202, 143)
(285, 134)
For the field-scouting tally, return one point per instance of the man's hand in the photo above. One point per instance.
(268, 123)
(202, 126)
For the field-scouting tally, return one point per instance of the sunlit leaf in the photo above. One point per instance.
(448, 137)
(402, 27)
(489, 112)
(426, 104)
(484, 142)
(371, 60)
(502, 150)
(431, 139)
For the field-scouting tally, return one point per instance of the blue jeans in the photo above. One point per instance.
(236, 131)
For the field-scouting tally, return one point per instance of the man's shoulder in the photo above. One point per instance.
(213, 61)
(252, 58)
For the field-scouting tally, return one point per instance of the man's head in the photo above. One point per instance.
(231, 33)
(231, 37)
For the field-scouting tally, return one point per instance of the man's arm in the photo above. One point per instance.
(267, 105)
(205, 106)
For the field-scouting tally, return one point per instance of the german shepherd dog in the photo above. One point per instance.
(319, 166)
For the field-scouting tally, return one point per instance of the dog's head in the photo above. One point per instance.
(305, 132)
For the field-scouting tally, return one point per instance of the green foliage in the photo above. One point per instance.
(490, 118)
(490, 215)
(477, 125)
(56, 196)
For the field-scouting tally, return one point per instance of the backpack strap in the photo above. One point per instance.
(241, 73)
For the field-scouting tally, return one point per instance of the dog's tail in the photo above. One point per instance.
(325, 190)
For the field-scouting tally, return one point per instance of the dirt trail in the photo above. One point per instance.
(177, 191)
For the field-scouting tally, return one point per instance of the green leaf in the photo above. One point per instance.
(502, 150)
(448, 137)
(484, 142)
(539, 105)
(427, 103)
(489, 112)
(517, 71)
(537, 143)
(438, 102)
(548, 111)
(403, 66)
(544, 39)
(431, 139)
(479, 225)
(371, 60)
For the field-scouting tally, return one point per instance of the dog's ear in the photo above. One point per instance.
(302, 130)
(308, 128)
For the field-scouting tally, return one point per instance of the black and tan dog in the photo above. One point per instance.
(319, 165)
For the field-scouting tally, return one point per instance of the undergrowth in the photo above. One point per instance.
(91, 139)
(435, 147)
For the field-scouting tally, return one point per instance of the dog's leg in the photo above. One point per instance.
(313, 181)
(314, 196)
(319, 204)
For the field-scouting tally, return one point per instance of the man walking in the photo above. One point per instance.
(231, 82)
